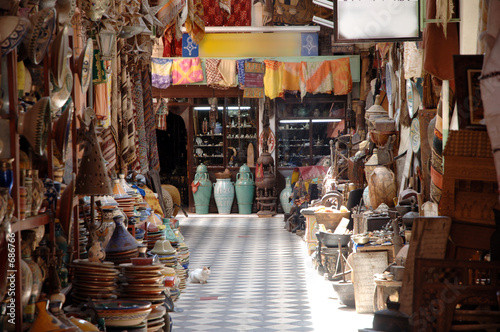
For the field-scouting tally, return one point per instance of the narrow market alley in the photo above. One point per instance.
(261, 280)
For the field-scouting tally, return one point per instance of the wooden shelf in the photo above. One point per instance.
(31, 222)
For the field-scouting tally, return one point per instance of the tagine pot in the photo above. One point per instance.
(121, 240)
(224, 195)
(245, 189)
(202, 189)
(285, 194)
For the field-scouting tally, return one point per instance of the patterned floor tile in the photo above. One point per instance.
(261, 280)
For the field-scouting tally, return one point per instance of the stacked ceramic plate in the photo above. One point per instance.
(183, 254)
(94, 280)
(121, 256)
(126, 203)
(124, 313)
(182, 275)
(143, 282)
(83, 238)
(151, 238)
(156, 318)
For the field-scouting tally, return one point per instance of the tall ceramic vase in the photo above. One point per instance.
(245, 188)
(202, 189)
(285, 194)
(224, 195)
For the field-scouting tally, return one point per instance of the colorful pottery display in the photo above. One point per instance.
(12, 31)
(94, 279)
(245, 190)
(202, 189)
(224, 195)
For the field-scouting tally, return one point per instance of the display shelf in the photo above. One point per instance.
(31, 222)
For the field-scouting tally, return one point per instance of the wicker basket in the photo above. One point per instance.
(330, 219)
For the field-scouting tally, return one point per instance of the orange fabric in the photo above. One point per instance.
(291, 76)
(341, 74)
(195, 25)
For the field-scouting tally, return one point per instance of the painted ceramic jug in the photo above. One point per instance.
(245, 188)
(224, 195)
(202, 189)
(382, 187)
(285, 194)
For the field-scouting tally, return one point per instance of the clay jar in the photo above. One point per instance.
(382, 187)
(105, 229)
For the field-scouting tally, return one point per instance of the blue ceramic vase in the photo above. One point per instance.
(245, 188)
(202, 189)
(224, 195)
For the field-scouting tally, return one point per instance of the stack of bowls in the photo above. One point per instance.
(165, 252)
(126, 203)
(152, 237)
(182, 275)
(123, 313)
(156, 319)
(183, 254)
(94, 280)
(143, 282)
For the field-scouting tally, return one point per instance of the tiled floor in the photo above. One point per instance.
(261, 280)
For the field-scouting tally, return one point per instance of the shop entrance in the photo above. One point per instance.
(172, 149)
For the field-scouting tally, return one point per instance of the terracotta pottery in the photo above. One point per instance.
(34, 125)
(382, 187)
(123, 312)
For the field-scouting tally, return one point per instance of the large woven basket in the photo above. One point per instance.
(330, 219)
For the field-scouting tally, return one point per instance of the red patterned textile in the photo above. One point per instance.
(241, 11)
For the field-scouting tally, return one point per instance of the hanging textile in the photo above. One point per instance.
(239, 13)
(172, 47)
(291, 76)
(169, 11)
(241, 71)
(438, 48)
(254, 79)
(127, 123)
(149, 119)
(161, 115)
(141, 164)
(195, 25)
(101, 101)
(161, 72)
(98, 70)
(227, 69)
(212, 73)
(412, 60)
(316, 78)
(273, 79)
(293, 12)
(108, 148)
(116, 103)
(341, 75)
(185, 71)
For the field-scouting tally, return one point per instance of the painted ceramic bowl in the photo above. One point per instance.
(44, 25)
(123, 312)
(12, 31)
(60, 50)
(61, 94)
(85, 65)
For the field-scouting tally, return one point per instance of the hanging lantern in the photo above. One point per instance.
(106, 42)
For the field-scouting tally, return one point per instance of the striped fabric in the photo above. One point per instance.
(126, 122)
(149, 119)
(254, 79)
(108, 147)
(437, 158)
(141, 163)
(291, 76)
